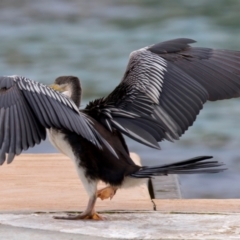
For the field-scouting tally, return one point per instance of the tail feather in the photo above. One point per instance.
(191, 166)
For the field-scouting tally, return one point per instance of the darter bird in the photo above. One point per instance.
(162, 91)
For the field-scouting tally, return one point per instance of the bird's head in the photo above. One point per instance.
(70, 86)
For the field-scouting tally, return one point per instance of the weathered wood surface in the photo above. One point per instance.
(49, 182)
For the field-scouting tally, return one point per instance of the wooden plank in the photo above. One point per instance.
(49, 182)
(166, 187)
(197, 205)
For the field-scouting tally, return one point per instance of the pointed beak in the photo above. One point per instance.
(56, 87)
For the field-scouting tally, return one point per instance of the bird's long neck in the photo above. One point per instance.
(75, 92)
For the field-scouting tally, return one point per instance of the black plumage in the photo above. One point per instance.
(162, 91)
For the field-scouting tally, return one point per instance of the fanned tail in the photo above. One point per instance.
(194, 165)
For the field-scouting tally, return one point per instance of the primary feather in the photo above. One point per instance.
(165, 85)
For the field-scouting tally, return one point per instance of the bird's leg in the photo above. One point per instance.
(88, 214)
(107, 192)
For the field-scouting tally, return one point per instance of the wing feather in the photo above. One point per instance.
(168, 82)
(6, 137)
(27, 108)
(135, 132)
(18, 128)
(24, 128)
(13, 131)
(2, 123)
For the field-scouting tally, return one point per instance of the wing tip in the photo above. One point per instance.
(171, 46)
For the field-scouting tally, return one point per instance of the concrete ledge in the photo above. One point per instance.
(8, 232)
(148, 225)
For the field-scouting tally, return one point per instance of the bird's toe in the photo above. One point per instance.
(93, 216)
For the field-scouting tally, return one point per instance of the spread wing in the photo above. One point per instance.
(164, 88)
(27, 108)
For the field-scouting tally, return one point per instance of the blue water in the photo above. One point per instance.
(93, 39)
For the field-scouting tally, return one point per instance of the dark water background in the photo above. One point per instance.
(93, 39)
